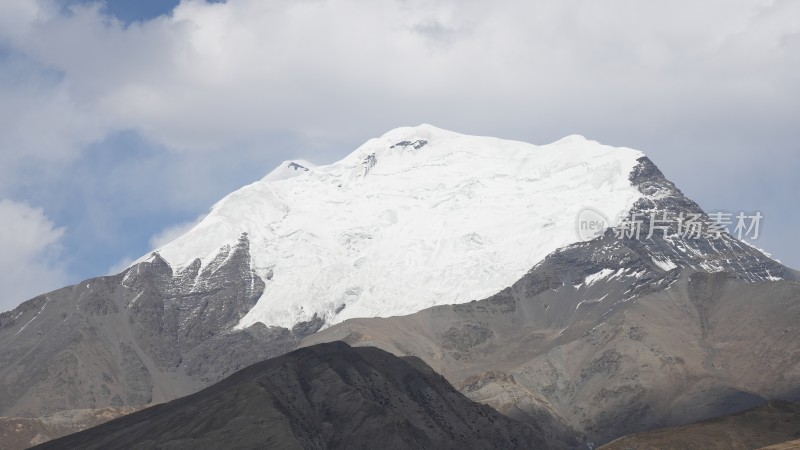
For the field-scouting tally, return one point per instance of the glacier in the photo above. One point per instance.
(418, 217)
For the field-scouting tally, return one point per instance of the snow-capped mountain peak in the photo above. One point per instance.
(415, 218)
(289, 169)
(571, 139)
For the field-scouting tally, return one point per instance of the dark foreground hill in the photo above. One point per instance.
(324, 396)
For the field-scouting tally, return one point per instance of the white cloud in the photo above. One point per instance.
(17, 16)
(215, 75)
(212, 77)
(30, 244)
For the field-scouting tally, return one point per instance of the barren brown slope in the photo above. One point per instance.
(326, 396)
(775, 422)
(17, 433)
(706, 346)
(789, 445)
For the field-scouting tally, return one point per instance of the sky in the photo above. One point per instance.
(122, 122)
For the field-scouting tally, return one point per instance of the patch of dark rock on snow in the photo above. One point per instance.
(416, 145)
(295, 166)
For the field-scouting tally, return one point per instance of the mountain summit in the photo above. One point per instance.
(569, 328)
(415, 218)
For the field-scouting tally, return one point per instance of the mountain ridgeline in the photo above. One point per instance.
(478, 273)
(146, 335)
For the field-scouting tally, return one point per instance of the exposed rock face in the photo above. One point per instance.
(682, 248)
(145, 335)
(706, 345)
(329, 396)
